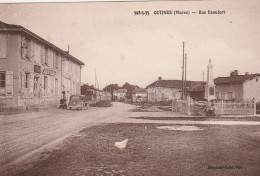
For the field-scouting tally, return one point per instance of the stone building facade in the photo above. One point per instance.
(238, 87)
(139, 95)
(33, 71)
(167, 90)
(120, 94)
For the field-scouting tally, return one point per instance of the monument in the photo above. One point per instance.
(210, 85)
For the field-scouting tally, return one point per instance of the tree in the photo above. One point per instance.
(130, 89)
(111, 88)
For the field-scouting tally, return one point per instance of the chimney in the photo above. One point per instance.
(159, 79)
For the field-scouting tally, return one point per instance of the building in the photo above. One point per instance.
(97, 94)
(34, 71)
(197, 92)
(238, 87)
(139, 95)
(166, 90)
(120, 94)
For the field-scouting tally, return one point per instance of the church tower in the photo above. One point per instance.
(210, 86)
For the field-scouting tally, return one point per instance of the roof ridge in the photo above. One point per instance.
(23, 29)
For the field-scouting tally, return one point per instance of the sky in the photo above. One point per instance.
(123, 47)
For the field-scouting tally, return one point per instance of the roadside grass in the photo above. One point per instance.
(155, 152)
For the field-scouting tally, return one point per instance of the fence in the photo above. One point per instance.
(190, 107)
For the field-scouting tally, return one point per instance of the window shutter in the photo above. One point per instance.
(22, 81)
(50, 56)
(3, 42)
(9, 83)
(31, 82)
(42, 55)
(42, 86)
(31, 47)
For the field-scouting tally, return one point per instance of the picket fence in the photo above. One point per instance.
(189, 107)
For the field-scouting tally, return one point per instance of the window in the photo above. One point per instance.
(230, 95)
(26, 48)
(45, 83)
(57, 58)
(26, 82)
(35, 83)
(3, 41)
(6, 83)
(2, 79)
(256, 79)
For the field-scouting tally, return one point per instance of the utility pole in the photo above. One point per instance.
(182, 94)
(203, 76)
(95, 79)
(185, 77)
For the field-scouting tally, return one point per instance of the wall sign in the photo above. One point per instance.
(37, 69)
(49, 72)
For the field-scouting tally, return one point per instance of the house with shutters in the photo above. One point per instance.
(167, 90)
(238, 87)
(34, 71)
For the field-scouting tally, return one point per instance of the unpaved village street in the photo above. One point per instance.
(23, 136)
(24, 133)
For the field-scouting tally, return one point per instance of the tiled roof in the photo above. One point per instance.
(139, 91)
(172, 83)
(7, 26)
(18, 28)
(200, 87)
(235, 79)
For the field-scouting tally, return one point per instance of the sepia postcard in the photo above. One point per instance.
(130, 88)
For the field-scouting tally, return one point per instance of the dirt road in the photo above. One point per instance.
(22, 136)
(25, 134)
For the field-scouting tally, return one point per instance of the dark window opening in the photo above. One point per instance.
(2, 79)
(45, 82)
(26, 80)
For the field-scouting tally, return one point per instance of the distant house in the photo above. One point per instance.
(106, 96)
(96, 94)
(165, 90)
(139, 95)
(120, 94)
(238, 87)
(197, 92)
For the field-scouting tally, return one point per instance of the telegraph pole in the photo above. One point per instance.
(182, 94)
(95, 79)
(185, 77)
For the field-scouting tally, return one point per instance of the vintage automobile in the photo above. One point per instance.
(78, 102)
